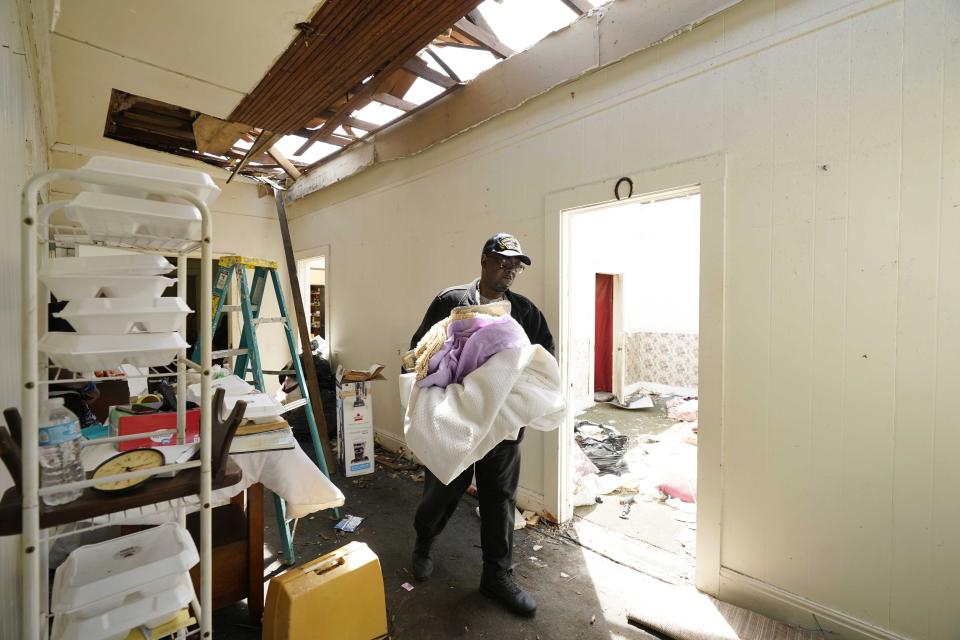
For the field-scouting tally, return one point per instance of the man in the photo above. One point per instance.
(498, 472)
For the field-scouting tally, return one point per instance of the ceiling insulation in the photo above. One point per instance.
(348, 48)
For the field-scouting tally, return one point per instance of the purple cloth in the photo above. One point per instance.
(470, 342)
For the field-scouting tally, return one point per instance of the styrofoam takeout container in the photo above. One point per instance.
(131, 265)
(196, 182)
(78, 352)
(78, 287)
(260, 407)
(114, 618)
(114, 568)
(108, 316)
(106, 216)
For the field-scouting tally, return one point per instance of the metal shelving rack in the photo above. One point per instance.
(36, 232)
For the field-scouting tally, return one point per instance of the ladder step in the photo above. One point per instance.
(266, 320)
(280, 372)
(236, 307)
(225, 353)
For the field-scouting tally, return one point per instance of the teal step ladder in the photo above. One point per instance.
(248, 354)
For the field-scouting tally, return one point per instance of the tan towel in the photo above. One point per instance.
(418, 358)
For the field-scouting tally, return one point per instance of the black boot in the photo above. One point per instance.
(507, 592)
(422, 562)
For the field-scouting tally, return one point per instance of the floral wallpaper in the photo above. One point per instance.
(663, 358)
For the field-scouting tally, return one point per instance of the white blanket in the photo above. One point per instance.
(450, 429)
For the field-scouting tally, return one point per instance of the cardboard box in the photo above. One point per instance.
(355, 420)
(124, 423)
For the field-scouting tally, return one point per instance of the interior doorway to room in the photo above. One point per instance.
(316, 301)
(633, 296)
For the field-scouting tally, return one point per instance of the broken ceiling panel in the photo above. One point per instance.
(348, 47)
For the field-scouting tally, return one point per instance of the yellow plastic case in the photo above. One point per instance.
(338, 596)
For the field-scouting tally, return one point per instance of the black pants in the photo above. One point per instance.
(498, 473)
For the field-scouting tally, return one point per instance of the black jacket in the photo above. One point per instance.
(523, 311)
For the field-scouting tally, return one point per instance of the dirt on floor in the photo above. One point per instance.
(582, 593)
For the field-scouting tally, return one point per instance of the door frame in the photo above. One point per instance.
(705, 175)
(303, 257)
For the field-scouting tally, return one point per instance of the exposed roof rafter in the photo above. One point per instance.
(483, 37)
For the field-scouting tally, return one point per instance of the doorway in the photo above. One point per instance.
(313, 270)
(706, 176)
(635, 439)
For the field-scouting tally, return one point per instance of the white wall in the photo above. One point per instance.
(840, 122)
(24, 154)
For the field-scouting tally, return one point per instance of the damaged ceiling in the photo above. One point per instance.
(350, 69)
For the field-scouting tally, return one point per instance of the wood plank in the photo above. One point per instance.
(265, 140)
(440, 61)
(369, 36)
(306, 360)
(92, 503)
(417, 66)
(255, 551)
(483, 37)
(281, 159)
(394, 101)
(368, 89)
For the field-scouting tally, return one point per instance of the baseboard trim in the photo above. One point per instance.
(765, 598)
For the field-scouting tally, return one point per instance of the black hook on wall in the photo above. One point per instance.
(616, 189)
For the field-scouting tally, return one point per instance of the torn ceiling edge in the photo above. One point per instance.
(600, 38)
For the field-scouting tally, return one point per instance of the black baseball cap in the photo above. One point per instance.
(504, 244)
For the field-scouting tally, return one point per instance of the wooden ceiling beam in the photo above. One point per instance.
(483, 37)
(417, 66)
(393, 101)
(281, 159)
(440, 61)
(264, 141)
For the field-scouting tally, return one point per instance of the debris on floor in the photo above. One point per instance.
(407, 586)
(637, 400)
(682, 410)
(519, 520)
(603, 445)
(349, 524)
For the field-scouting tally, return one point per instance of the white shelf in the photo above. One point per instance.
(38, 236)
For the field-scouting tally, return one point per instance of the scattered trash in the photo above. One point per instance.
(603, 445)
(418, 477)
(628, 503)
(593, 619)
(519, 522)
(637, 400)
(537, 547)
(349, 524)
(407, 586)
(531, 518)
(564, 575)
(679, 488)
(580, 463)
(535, 561)
(685, 411)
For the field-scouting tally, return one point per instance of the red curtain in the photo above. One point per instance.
(603, 335)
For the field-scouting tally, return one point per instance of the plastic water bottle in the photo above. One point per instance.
(60, 444)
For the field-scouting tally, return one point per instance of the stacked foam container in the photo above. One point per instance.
(115, 304)
(116, 307)
(138, 581)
